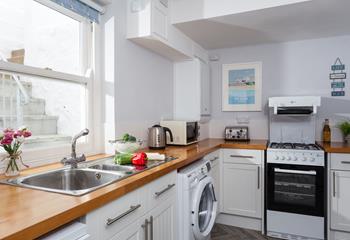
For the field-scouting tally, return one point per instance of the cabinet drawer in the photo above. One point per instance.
(340, 161)
(162, 189)
(116, 215)
(242, 156)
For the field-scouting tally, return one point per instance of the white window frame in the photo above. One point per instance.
(90, 51)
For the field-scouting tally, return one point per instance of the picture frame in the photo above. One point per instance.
(242, 87)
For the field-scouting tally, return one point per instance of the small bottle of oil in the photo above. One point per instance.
(326, 133)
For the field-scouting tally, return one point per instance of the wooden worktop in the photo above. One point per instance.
(27, 213)
(335, 147)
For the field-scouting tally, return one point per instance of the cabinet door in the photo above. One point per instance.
(160, 19)
(205, 89)
(242, 194)
(163, 221)
(340, 199)
(133, 232)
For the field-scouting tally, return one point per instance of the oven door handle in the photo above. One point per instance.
(311, 172)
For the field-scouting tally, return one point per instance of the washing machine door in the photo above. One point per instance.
(204, 208)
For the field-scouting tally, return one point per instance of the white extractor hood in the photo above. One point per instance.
(295, 105)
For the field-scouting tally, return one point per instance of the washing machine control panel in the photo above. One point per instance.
(199, 173)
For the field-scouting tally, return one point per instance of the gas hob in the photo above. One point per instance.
(292, 146)
(295, 153)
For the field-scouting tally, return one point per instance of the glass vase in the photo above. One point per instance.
(12, 168)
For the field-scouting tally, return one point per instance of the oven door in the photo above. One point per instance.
(295, 189)
(192, 131)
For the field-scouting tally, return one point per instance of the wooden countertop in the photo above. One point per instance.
(27, 213)
(335, 147)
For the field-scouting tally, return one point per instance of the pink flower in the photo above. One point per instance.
(9, 131)
(26, 133)
(7, 139)
(17, 134)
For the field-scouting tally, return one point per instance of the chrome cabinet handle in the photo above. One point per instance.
(345, 162)
(110, 221)
(164, 190)
(145, 227)
(241, 156)
(151, 226)
(258, 177)
(310, 172)
(215, 158)
(334, 185)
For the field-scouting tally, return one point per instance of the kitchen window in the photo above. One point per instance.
(46, 71)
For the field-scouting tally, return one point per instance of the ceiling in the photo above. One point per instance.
(313, 19)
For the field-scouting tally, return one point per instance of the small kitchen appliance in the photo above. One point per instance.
(157, 137)
(295, 172)
(237, 133)
(184, 132)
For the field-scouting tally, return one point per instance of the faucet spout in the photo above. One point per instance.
(75, 139)
(74, 160)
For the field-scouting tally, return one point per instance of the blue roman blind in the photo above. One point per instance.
(80, 8)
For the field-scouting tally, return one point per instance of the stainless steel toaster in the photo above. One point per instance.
(237, 133)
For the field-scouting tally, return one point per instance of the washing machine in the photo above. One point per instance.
(197, 201)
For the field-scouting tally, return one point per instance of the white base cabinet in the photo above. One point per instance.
(242, 190)
(242, 183)
(339, 196)
(148, 213)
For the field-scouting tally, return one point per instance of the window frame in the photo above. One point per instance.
(89, 52)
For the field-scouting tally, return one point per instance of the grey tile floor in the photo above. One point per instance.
(225, 232)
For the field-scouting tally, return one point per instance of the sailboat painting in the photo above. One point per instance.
(241, 87)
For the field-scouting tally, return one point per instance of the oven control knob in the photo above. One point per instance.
(289, 158)
(277, 157)
(295, 158)
(304, 159)
(312, 159)
(282, 158)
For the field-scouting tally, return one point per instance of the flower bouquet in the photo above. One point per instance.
(12, 140)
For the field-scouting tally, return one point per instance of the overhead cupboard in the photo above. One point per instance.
(148, 24)
(192, 98)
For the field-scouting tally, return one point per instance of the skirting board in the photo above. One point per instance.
(239, 221)
(337, 235)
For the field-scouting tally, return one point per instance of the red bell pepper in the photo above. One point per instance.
(139, 159)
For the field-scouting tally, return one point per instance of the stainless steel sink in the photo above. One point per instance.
(68, 181)
(113, 167)
(88, 177)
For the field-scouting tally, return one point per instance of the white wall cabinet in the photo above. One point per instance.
(339, 194)
(148, 25)
(149, 210)
(192, 98)
(242, 183)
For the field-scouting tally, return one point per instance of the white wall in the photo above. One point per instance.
(143, 82)
(293, 68)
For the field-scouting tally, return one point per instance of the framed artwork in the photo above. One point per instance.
(241, 86)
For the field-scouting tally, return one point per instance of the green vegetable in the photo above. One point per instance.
(128, 138)
(123, 158)
(345, 128)
(132, 139)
